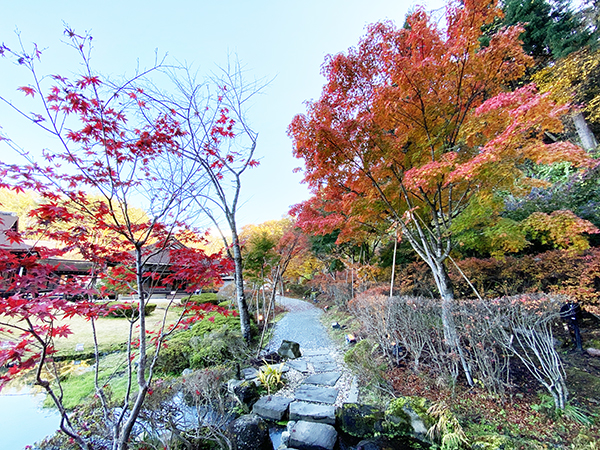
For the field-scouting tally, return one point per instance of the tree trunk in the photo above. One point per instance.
(587, 138)
(239, 286)
(444, 285)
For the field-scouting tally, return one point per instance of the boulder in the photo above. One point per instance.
(593, 351)
(407, 416)
(289, 349)
(361, 421)
(249, 432)
(312, 436)
(245, 392)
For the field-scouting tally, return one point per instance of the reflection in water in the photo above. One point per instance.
(23, 420)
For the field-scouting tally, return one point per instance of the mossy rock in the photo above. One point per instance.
(361, 421)
(492, 442)
(407, 416)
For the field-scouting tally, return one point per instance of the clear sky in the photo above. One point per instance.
(283, 40)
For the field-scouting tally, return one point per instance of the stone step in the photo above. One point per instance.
(272, 407)
(312, 412)
(311, 436)
(298, 364)
(317, 394)
(323, 379)
(324, 366)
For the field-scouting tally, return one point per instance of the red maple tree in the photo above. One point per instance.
(99, 152)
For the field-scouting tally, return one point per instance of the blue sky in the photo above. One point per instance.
(283, 40)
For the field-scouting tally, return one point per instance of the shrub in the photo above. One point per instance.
(490, 332)
(205, 297)
(214, 340)
(129, 310)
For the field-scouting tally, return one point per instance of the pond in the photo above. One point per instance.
(23, 421)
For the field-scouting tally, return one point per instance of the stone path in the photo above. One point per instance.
(317, 382)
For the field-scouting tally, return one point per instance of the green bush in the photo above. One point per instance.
(216, 347)
(214, 340)
(128, 310)
(206, 297)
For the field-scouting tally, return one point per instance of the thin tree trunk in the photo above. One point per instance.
(239, 287)
(394, 263)
(587, 138)
(444, 285)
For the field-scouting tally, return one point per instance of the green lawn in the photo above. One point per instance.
(110, 331)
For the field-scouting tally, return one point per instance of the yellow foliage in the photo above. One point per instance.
(561, 229)
(574, 79)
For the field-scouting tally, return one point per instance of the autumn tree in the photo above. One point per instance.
(98, 149)
(576, 79)
(220, 144)
(414, 125)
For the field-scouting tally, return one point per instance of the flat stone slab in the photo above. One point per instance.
(311, 393)
(312, 436)
(323, 379)
(272, 407)
(328, 366)
(250, 373)
(321, 358)
(315, 351)
(312, 412)
(298, 364)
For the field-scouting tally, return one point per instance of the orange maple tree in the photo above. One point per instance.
(416, 123)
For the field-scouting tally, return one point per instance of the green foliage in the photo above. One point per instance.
(214, 340)
(259, 253)
(205, 297)
(446, 430)
(270, 377)
(216, 347)
(552, 30)
(363, 359)
(129, 310)
(580, 194)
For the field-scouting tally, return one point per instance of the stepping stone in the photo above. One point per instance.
(312, 436)
(250, 373)
(324, 379)
(323, 357)
(312, 412)
(272, 407)
(326, 366)
(311, 393)
(299, 365)
(315, 352)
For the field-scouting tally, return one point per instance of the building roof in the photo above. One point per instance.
(10, 221)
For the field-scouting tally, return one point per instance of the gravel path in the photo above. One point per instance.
(302, 325)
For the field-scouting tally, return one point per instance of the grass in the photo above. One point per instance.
(111, 332)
